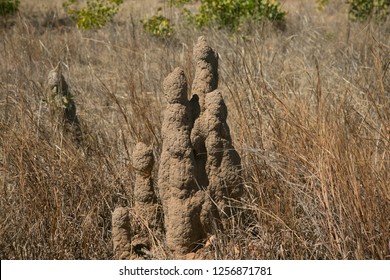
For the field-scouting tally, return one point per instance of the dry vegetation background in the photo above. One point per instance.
(309, 113)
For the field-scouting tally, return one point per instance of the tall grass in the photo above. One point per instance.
(309, 113)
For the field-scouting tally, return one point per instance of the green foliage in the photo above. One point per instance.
(322, 3)
(158, 25)
(224, 13)
(231, 13)
(362, 10)
(94, 15)
(8, 7)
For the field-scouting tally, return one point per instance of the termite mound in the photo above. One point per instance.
(199, 173)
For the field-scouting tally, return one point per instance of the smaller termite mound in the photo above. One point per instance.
(121, 233)
(61, 104)
(143, 161)
(135, 230)
(146, 213)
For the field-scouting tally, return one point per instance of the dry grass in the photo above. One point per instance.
(309, 112)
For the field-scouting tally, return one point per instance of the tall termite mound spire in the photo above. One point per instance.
(206, 74)
(181, 197)
(200, 171)
(218, 163)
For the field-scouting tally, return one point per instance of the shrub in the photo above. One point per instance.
(322, 3)
(231, 13)
(158, 25)
(94, 15)
(224, 13)
(362, 10)
(8, 7)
